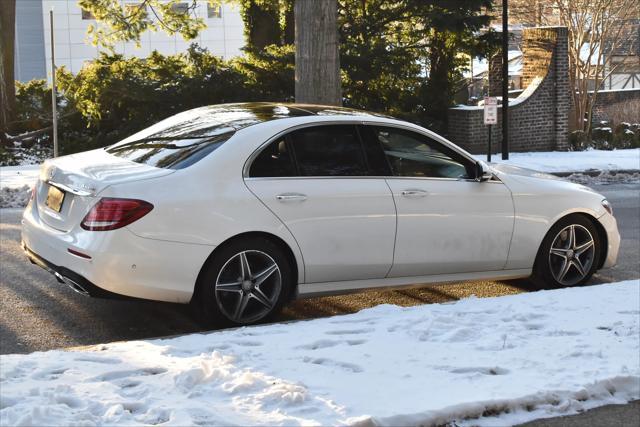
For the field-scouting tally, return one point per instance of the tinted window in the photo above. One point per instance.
(273, 161)
(417, 155)
(328, 151)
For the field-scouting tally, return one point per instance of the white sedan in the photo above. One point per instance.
(239, 208)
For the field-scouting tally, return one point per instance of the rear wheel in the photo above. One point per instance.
(568, 254)
(246, 282)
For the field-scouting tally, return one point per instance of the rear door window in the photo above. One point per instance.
(274, 161)
(332, 150)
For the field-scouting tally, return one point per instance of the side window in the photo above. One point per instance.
(273, 161)
(333, 150)
(417, 155)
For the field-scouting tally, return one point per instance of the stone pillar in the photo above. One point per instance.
(563, 89)
(495, 75)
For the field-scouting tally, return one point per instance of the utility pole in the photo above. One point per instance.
(54, 100)
(505, 80)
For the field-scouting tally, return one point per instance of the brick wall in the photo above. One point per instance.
(539, 117)
(617, 106)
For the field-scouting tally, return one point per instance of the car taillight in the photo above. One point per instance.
(33, 192)
(111, 213)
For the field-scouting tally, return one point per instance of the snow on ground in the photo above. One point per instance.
(572, 161)
(18, 176)
(492, 361)
(15, 185)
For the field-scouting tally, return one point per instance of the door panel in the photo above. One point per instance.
(345, 227)
(450, 226)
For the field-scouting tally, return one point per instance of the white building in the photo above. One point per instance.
(224, 36)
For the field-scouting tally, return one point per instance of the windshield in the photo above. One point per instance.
(174, 143)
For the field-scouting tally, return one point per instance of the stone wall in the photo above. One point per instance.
(618, 106)
(539, 117)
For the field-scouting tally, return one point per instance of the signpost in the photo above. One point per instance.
(490, 118)
(54, 101)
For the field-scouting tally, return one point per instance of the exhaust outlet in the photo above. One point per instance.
(75, 286)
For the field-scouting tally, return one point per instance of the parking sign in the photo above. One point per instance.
(490, 110)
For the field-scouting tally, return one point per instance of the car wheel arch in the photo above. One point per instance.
(245, 236)
(602, 234)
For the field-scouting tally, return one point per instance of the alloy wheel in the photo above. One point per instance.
(248, 286)
(572, 254)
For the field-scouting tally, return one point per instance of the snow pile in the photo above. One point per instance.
(15, 185)
(14, 197)
(573, 161)
(605, 177)
(493, 361)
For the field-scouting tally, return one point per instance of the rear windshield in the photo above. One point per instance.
(174, 143)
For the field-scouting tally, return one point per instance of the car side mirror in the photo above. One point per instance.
(483, 173)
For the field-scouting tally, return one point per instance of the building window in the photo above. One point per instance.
(86, 15)
(182, 8)
(214, 11)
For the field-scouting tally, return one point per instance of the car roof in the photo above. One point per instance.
(242, 115)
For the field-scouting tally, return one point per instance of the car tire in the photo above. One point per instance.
(568, 255)
(245, 282)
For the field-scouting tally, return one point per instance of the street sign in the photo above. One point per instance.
(490, 110)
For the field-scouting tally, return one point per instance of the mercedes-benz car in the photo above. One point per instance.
(239, 208)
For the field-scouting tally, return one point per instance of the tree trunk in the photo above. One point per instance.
(7, 78)
(262, 24)
(289, 31)
(317, 54)
(439, 86)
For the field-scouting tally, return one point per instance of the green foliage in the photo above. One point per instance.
(404, 57)
(115, 96)
(118, 23)
(269, 74)
(379, 56)
(624, 136)
(33, 105)
(602, 138)
(118, 96)
(401, 58)
(578, 141)
(264, 22)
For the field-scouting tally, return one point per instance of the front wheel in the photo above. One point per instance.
(568, 254)
(246, 282)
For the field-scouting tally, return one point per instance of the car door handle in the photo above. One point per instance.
(414, 193)
(291, 197)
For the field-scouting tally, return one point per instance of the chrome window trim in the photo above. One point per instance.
(249, 161)
(494, 180)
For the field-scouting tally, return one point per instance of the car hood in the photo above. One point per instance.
(522, 180)
(518, 171)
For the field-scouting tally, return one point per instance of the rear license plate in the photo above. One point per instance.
(55, 197)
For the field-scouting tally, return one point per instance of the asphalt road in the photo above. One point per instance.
(37, 313)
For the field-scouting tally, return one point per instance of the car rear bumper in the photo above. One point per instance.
(70, 278)
(610, 225)
(114, 264)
